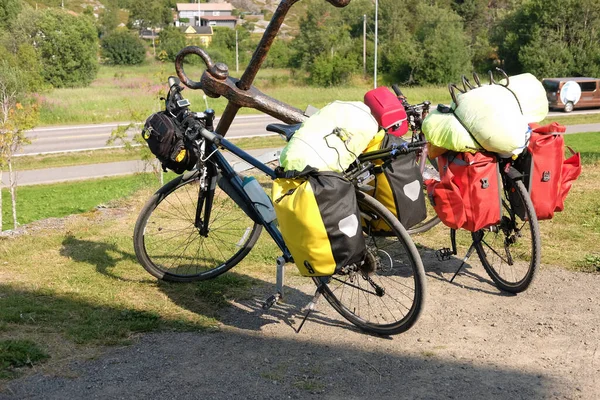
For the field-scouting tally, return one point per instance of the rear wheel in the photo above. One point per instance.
(385, 295)
(168, 243)
(510, 250)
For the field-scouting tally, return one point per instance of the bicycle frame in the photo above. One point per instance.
(206, 198)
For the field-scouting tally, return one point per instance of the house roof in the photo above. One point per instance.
(204, 7)
(198, 30)
(220, 18)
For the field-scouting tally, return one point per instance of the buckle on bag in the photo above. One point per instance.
(485, 183)
(546, 176)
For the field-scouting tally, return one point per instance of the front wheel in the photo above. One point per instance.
(167, 238)
(386, 295)
(510, 250)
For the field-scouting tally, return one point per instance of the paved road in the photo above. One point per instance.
(60, 139)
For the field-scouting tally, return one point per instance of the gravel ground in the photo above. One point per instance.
(472, 342)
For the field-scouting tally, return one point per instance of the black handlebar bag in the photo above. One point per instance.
(398, 185)
(165, 138)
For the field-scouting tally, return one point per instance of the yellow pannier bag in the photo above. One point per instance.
(319, 220)
(397, 185)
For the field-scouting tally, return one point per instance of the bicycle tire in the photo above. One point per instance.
(424, 226)
(169, 246)
(398, 271)
(516, 243)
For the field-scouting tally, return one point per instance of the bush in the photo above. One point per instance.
(67, 46)
(171, 40)
(332, 71)
(123, 48)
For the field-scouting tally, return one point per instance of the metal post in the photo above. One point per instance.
(365, 45)
(237, 58)
(376, 18)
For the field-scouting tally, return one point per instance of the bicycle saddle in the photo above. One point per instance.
(284, 129)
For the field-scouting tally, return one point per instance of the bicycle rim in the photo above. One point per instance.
(510, 253)
(389, 298)
(168, 244)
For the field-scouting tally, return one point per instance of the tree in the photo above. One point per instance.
(324, 41)
(123, 48)
(15, 118)
(171, 41)
(423, 43)
(9, 9)
(151, 14)
(551, 38)
(109, 18)
(67, 45)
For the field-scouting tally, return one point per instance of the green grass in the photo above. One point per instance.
(120, 92)
(74, 158)
(61, 199)
(76, 286)
(18, 353)
(588, 144)
(573, 119)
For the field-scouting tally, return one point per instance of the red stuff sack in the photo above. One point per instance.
(470, 182)
(546, 174)
(387, 110)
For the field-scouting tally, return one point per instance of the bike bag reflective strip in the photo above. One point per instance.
(398, 185)
(477, 178)
(320, 222)
(387, 110)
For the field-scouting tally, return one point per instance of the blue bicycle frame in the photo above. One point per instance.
(239, 196)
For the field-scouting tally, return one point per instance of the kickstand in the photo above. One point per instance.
(310, 307)
(464, 260)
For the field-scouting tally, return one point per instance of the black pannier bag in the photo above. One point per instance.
(165, 139)
(398, 185)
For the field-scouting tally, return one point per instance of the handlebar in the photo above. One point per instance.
(392, 152)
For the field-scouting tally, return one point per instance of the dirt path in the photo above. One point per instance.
(473, 342)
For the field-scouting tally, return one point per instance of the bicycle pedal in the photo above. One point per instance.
(271, 301)
(444, 254)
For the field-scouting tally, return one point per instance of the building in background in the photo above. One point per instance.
(206, 14)
(200, 34)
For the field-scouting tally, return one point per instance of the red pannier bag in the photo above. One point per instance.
(546, 174)
(468, 193)
(387, 110)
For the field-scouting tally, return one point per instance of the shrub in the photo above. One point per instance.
(67, 45)
(123, 48)
(171, 40)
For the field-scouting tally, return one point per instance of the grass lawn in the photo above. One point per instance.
(69, 287)
(132, 93)
(61, 199)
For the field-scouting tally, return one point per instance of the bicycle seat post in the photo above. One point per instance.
(280, 275)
